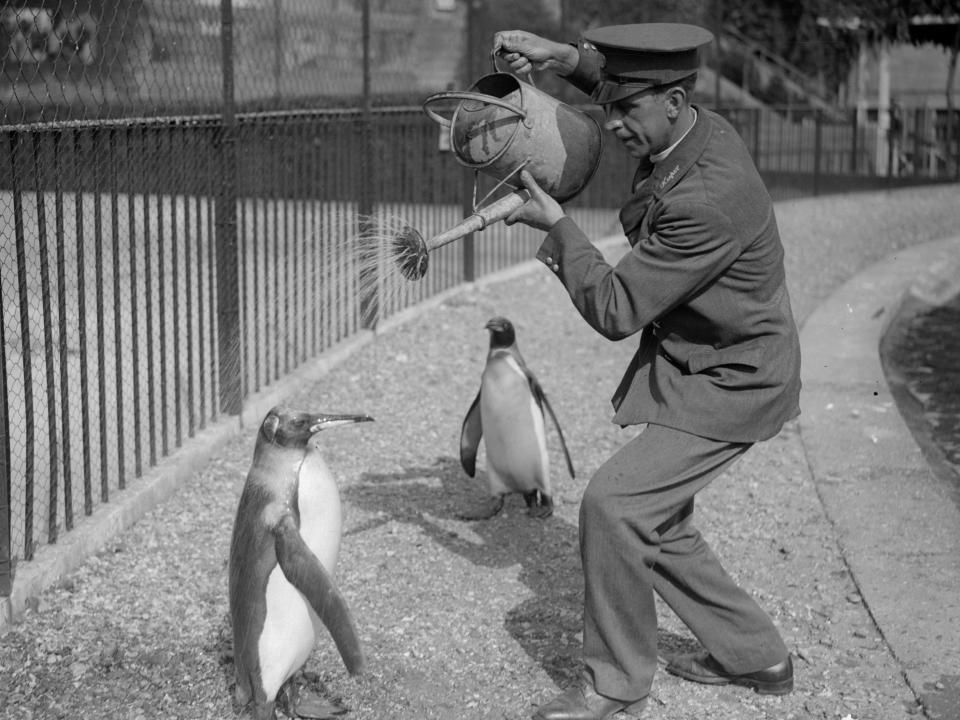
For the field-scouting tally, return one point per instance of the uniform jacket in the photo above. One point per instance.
(704, 284)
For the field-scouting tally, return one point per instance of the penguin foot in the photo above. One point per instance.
(485, 510)
(540, 512)
(539, 504)
(298, 702)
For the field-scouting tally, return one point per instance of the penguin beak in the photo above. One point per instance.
(322, 422)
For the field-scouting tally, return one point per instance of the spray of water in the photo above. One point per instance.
(377, 256)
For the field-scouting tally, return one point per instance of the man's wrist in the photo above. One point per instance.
(567, 58)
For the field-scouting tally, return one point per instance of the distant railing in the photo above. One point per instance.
(801, 152)
(797, 81)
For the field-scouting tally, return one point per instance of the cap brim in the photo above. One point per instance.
(607, 92)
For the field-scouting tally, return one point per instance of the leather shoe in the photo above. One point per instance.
(583, 702)
(702, 668)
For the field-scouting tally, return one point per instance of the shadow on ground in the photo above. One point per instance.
(547, 626)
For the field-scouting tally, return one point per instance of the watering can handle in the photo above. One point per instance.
(467, 95)
(494, 54)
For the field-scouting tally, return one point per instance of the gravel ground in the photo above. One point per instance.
(478, 620)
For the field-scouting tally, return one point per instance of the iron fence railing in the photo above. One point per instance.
(157, 268)
(802, 152)
(111, 281)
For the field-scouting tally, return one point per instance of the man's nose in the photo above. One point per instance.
(613, 118)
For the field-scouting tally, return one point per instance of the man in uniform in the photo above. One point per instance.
(717, 368)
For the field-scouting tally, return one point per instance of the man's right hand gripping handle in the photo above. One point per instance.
(526, 52)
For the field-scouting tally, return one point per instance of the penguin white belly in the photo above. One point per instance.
(513, 430)
(321, 517)
(289, 632)
(291, 625)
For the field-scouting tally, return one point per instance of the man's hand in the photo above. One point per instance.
(526, 52)
(541, 211)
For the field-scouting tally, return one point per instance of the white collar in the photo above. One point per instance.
(657, 157)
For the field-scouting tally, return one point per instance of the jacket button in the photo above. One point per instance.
(556, 268)
(549, 260)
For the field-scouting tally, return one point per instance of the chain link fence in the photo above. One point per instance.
(85, 59)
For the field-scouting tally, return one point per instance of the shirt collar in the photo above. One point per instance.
(657, 157)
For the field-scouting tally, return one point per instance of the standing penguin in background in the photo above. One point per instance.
(286, 539)
(508, 413)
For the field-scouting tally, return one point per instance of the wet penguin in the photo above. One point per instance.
(508, 413)
(286, 538)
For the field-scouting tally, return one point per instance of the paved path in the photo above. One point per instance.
(898, 523)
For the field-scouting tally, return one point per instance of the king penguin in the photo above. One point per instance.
(508, 414)
(286, 539)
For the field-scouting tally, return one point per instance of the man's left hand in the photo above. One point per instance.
(540, 211)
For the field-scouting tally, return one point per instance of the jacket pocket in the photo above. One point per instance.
(743, 357)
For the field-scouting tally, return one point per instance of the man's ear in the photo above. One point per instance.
(675, 99)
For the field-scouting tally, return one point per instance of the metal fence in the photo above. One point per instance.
(179, 203)
(113, 267)
(802, 152)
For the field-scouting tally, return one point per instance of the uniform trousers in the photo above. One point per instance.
(637, 536)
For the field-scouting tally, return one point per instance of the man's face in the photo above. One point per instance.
(641, 122)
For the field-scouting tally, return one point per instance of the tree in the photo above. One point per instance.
(595, 13)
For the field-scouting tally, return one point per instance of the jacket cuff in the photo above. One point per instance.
(551, 249)
(588, 71)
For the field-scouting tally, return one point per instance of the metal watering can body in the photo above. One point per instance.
(503, 125)
(500, 127)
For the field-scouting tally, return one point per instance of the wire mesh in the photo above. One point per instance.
(113, 141)
(107, 361)
(75, 59)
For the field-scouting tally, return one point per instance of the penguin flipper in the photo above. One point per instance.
(305, 572)
(542, 401)
(470, 433)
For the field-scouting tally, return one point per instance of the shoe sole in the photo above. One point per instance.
(780, 687)
(633, 709)
(636, 708)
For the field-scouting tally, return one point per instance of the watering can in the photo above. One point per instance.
(501, 126)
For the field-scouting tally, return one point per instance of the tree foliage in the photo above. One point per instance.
(594, 13)
(821, 37)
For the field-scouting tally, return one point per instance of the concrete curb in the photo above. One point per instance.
(897, 526)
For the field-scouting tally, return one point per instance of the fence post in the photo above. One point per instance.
(6, 565)
(469, 257)
(757, 119)
(953, 140)
(277, 51)
(854, 150)
(369, 287)
(817, 151)
(228, 301)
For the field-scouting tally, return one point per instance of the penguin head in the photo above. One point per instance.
(290, 428)
(501, 332)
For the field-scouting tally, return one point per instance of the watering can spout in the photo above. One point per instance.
(412, 251)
